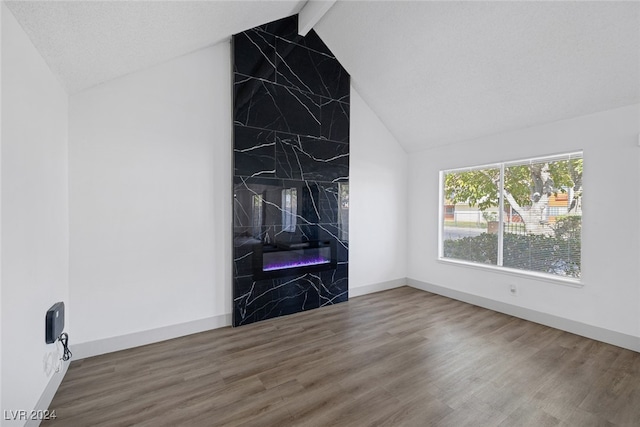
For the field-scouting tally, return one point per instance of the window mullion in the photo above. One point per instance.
(500, 214)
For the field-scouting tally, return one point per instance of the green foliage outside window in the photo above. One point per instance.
(560, 256)
(534, 236)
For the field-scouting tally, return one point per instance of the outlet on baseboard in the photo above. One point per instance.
(513, 289)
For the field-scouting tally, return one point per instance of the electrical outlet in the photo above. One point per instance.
(513, 290)
(48, 362)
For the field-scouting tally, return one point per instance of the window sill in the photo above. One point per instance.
(574, 283)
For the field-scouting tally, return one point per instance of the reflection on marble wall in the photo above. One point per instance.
(291, 168)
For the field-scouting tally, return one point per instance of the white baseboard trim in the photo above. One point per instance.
(123, 342)
(594, 332)
(377, 287)
(47, 395)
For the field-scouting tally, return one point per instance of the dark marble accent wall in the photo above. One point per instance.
(291, 166)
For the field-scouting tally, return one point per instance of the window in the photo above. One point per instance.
(524, 215)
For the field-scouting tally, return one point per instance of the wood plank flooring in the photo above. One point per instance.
(402, 357)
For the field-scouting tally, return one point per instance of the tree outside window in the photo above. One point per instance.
(534, 205)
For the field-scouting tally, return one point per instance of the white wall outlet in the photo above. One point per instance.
(513, 289)
(48, 363)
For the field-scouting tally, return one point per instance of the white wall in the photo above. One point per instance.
(610, 297)
(1, 34)
(34, 215)
(377, 203)
(150, 197)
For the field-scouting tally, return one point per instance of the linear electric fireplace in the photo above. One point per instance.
(291, 173)
(286, 259)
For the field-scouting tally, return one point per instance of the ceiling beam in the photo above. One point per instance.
(311, 13)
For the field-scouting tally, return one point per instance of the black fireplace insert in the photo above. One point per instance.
(291, 258)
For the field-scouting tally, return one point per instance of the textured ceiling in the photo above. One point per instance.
(434, 72)
(440, 72)
(89, 42)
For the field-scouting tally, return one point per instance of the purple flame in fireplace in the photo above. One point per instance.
(293, 264)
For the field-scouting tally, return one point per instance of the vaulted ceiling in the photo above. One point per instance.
(434, 72)
(89, 42)
(439, 72)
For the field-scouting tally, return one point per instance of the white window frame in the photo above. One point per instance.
(499, 268)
